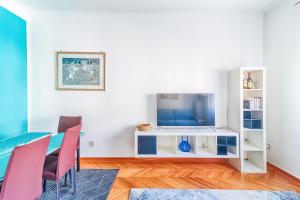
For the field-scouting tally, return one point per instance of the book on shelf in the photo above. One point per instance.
(254, 103)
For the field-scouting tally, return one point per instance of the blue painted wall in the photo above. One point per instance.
(13, 75)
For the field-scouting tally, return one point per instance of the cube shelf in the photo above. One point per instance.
(247, 114)
(204, 144)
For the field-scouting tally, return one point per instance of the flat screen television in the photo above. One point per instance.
(186, 109)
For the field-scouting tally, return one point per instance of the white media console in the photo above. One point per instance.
(205, 143)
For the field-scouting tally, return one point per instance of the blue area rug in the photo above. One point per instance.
(91, 184)
(193, 194)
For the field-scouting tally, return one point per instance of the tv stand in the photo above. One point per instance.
(206, 142)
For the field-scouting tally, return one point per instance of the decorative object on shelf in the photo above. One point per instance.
(222, 145)
(246, 104)
(253, 103)
(249, 81)
(144, 127)
(245, 85)
(184, 145)
(80, 70)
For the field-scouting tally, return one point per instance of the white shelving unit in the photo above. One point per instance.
(203, 142)
(248, 121)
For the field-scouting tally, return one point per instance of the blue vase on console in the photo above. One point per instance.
(184, 145)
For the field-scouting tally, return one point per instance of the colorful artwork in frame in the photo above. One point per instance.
(80, 70)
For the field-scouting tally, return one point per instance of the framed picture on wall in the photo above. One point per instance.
(80, 70)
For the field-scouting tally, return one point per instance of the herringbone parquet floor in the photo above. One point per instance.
(206, 175)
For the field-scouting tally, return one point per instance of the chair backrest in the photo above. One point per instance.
(23, 177)
(66, 122)
(66, 156)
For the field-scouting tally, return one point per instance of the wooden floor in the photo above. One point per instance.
(148, 174)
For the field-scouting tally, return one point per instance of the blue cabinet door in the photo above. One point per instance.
(231, 141)
(222, 150)
(147, 145)
(221, 140)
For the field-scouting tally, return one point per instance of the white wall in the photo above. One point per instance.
(282, 58)
(147, 53)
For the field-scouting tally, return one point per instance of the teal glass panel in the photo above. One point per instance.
(8, 145)
(13, 75)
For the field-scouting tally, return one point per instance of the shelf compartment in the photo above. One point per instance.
(254, 162)
(249, 94)
(166, 145)
(251, 168)
(257, 78)
(216, 146)
(206, 145)
(253, 142)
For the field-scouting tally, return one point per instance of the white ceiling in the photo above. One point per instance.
(152, 5)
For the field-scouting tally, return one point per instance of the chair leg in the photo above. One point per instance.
(57, 189)
(74, 180)
(78, 159)
(70, 175)
(44, 185)
(66, 177)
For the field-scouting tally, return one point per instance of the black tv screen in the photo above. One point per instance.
(185, 110)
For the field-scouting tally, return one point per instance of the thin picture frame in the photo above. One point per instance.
(68, 64)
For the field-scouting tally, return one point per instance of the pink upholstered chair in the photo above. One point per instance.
(57, 166)
(23, 177)
(66, 122)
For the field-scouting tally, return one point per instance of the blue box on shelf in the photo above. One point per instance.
(147, 145)
(247, 115)
(221, 140)
(257, 124)
(222, 150)
(246, 104)
(231, 140)
(247, 123)
(224, 143)
(253, 123)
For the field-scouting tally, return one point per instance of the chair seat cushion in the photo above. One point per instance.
(50, 168)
